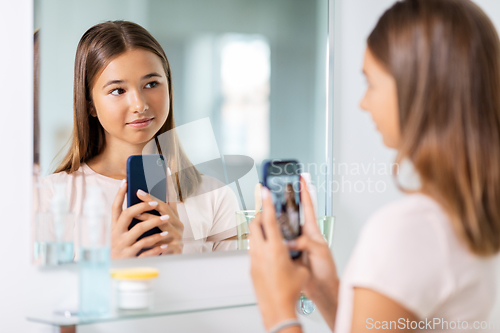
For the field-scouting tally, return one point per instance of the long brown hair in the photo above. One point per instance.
(98, 46)
(445, 58)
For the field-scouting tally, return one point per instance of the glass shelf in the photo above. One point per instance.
(66, 317)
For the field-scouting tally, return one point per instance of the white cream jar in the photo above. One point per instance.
(134, 287)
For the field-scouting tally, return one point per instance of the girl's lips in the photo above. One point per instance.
(141, 123)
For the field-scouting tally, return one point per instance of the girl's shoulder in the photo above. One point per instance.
(47, 183)
(413, 213)
(75, 185)
(84, 173)
(415, 228)
(61, 177)
(410, 252)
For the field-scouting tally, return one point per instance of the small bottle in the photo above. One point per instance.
(62, 224)
(95, 252)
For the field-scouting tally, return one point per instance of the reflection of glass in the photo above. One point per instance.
(326, 226)
(243, 219)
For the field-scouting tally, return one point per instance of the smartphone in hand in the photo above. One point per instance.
(282, 178)
(147, 173)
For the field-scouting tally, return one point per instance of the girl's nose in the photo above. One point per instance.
(138, 102)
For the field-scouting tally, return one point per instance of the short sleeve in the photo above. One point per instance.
(402, 255)
(224, 224)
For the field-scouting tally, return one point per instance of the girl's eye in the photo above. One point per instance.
(152, 84)
(117, 91)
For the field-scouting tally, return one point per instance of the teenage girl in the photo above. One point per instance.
(433, 71)
(122, 102)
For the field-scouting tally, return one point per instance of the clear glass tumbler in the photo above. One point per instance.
(243, 219)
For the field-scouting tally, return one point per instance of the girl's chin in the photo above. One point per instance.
(142, 137)
(389, 143)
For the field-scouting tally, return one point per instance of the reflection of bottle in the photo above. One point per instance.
(54, 229)
(95, 254)
(61, 220)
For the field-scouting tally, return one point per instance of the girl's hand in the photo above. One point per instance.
(173, 225)
(276, 278)
(124, 242)
(322, 284)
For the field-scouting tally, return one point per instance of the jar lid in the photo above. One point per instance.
(136, 273)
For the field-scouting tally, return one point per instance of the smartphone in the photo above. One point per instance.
(282, 178)
(147, 173)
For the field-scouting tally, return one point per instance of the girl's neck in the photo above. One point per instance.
(112, 161)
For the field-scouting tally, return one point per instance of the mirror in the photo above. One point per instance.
(248, 84)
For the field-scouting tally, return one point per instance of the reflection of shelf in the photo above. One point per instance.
(188, 283)
(160, 310)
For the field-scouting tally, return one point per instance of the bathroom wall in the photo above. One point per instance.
(357, 144)
(16, 94)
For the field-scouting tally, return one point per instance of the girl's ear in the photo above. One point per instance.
(91, 108)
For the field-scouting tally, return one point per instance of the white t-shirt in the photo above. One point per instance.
(409, 252)
(207, 215)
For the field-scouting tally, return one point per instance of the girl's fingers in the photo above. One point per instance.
(116, 208)
(145, 216)
(149, 216)
(172, 248)
(144, 226)
(156, 251)
(170, 225)
(305, 243)
(162, 208)
(146, 242)
(130, 213)
(271, 230)
(310, 226)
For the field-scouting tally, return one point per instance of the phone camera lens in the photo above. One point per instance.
(159, 162)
